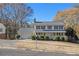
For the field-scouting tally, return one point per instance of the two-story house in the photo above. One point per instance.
(51, 29)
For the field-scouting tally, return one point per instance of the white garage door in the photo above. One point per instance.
(25, 33)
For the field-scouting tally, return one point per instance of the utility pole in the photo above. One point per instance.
(35, 33)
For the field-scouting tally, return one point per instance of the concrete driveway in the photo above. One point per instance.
(8, 43)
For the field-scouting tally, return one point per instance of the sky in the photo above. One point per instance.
(47, 11)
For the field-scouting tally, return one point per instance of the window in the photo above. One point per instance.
(42, 27)
(37, 27)
(55, 27)
(60, 27)
(54, 34)
(49, 27)
(61, 34)
(0, 29)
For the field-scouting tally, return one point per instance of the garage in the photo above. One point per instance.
(25, 33)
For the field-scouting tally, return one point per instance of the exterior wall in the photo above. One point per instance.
(25, 33)
(2, 31)
(50, 32)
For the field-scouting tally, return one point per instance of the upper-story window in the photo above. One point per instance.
(42, 27)
(49, 27)
(55, 27)
(60, 27)
(37, 27)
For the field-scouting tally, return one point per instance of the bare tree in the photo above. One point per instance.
(14, 15)
(21, 12)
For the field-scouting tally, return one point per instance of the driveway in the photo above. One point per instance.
(10, 43)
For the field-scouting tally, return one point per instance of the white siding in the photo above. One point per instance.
(25, 33)
(49, 32)
(2, 28)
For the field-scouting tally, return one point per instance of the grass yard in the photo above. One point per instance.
(49, 46)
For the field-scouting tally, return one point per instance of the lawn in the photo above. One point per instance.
(49, 46)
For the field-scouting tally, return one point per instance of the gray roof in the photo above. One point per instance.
(50, 23)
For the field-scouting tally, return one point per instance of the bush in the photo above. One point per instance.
(42, 38)
(18, 36)
(62, 39)
(47, 38)
(71, 34)
(33, 37)
(52, 39)
(57, 39)
(38, 38)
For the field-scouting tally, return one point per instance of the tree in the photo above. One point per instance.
(72, 37)
(70, 17)
(22, 12)
(14, 16)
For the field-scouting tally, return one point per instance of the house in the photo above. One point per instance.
(51, 29)
(2, 31)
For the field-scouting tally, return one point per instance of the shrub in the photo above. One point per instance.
(62, 39)
(71, 34)
(18, 36)
(51, 39)
(57, 39)
(38, 38)
(42, 38)
(47, 38)
(33, 37)
(54, 39)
